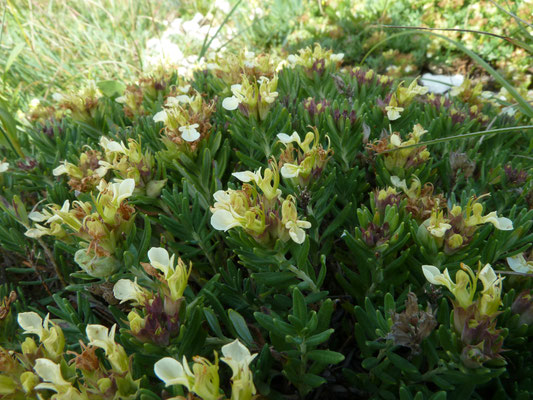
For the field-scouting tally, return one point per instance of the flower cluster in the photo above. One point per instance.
(203, 380)
(87, 174)
(132, 101)
(99, 225)
(159, 321)
(44, 366)
(125, 161)
(315, 59)
(265, 216)
(402, 98)
(231, 67)
(304, 162)
(186, 120)
(397, 159)
(253, 98)
(474, 316)
(81, 104)
(456, 229)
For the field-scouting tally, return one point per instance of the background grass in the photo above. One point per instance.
(53, 44)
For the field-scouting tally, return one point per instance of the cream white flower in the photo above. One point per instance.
(172, 372)
(36, 232)
(296, 230)
(222, 220)
(161, 116)
(110, 146)
(101, 336)
(248, 176)
(4, 166)
(189, 132)
(393, 113)
(104, 338)
(399, 183)
(238, 357)
(34, 103)
(291, 170)
(50, 372)
(50, 336)
(395, 140)
(230, 103)
(122, 190)
(434, 276)
(439, 229)
(518, 263)
(31, 322)
(286, 139)
(176, 276)
(160, 259)
(60, 170)
(336, 57)
(125, 290)
(177, 101)
(501, 223)
(37, 216)
(487, 277)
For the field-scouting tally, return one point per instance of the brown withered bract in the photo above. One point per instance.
(423, 205)
(104, 290)
(460, 161)
(87, 360)
(5, 305)
(412, 326)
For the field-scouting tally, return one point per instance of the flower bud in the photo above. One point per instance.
(455, 241)
(7, 385)
(29, 347)
(523, 305)
(98, 267)
(104, 384)
(153, 188)
(136, 322)
(29, 380)
(54, 343)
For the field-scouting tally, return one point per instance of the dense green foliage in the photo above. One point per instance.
(328, 230)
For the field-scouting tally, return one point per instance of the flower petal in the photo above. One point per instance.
(290, 170)
(487, 276)
(222, 220)
(171, 372)
(49, 371)
(432, 273)
(237, 356)
(286, 139)
(125, 290)
(62, 169)
(518, 263)
(31, 322)
(99, 336)
(245, 176)
(230, 103)
(37, 216)
(159, 256)
(161, 116)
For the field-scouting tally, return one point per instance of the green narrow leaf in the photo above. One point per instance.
(13, 56)
(241, 328)
(325, 356)
(299, 309)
